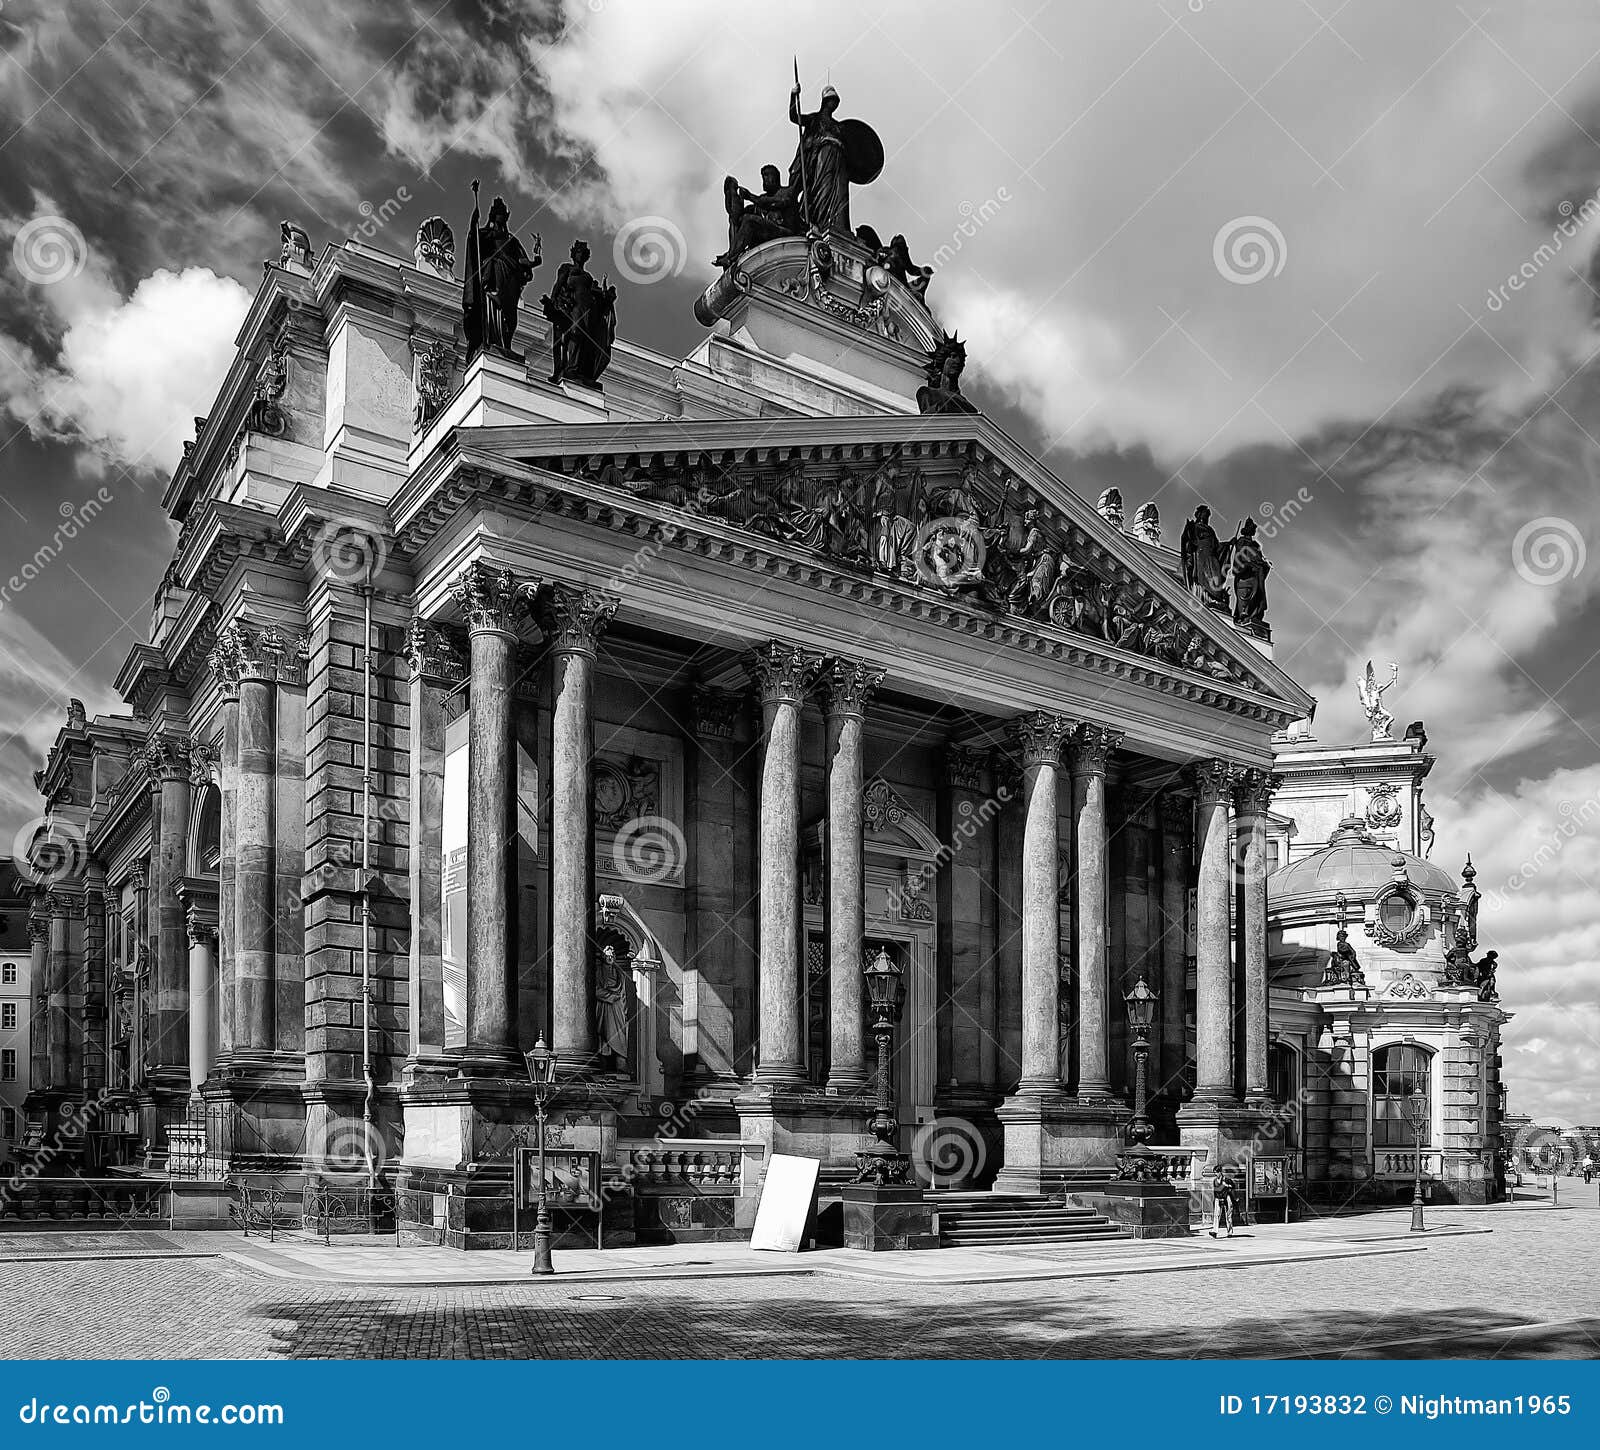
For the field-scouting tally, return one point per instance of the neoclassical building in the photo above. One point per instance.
(635, 713)
(1377, 993)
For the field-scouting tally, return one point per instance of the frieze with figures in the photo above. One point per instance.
(958, 537)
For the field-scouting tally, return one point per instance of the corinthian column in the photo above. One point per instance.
(846, 687)
(1213, 1011)
(167, 757)
(782, 674)
(1253, 796)
(489, 599)
(202, 1000)
(224, 664)
(1040, 736)
(1091, 748)
(573, 621)
(1177, 827)
(254, 869)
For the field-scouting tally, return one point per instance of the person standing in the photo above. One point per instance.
(1224, 1208)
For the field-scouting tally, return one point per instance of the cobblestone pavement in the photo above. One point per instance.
(1529, 1289)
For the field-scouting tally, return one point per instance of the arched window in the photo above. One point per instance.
(1397, 1072)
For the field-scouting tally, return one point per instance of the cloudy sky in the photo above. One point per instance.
(1329, 265)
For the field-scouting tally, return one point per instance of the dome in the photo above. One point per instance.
(1356, 866)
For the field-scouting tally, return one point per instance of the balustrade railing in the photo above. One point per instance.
(703, 1165)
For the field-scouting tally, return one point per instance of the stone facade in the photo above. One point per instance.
(633, 720)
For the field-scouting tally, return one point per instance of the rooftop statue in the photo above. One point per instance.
(754, 219)
(830, 157)
(895, 259)
(1248, 569)
(1147, 523)
(583, 313)
(1205, 558)
(1370, 693)
(1110, 507)
(942, 392)
(1344, 967)
(435, 248)
(498, 268)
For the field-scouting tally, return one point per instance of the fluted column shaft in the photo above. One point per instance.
(847, 686)
(782, 674)
(573, 621)
(39, 986)
(1254, 797)
(1213, 1010)
(1091, 748)
(1039, 737)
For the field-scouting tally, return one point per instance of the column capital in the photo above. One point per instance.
(201, 760)
(847, 685)
(166, 757)
(783, 673)
(223, 662)
(38, 924)
(1254, 789)
(1041, 736)
(433, 653)
(1007, 772)
(268, 652)
(574, 619)
(201, 929)
(963, 767)
(1091, 746)
(1216, 780)
(65, 903)
(139, 875)
(716, 712)
(489, 597)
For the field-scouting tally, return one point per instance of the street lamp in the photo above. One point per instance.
(1417, 1115)
(883, 1163)
(542, 1074)
(1141, 1004)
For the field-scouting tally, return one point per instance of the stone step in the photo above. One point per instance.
(1044, 1234)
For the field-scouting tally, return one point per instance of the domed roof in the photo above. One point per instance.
(1354, 864)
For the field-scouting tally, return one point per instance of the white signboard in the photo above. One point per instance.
(787, 1195)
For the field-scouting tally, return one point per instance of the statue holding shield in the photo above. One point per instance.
(832, 155)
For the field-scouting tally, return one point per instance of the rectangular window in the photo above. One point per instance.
(9, 1123)
(8, 1064)
(9, 975)
(453, 886)
(8, 1016)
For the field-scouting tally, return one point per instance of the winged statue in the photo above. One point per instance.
(1370, 693)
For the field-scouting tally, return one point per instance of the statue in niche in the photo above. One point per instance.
(1248, 568)
(1344, 967)
(942, 391)
(498, 269)
(611, 1010)
(583, 314)
(1204, 558)
(754, 219)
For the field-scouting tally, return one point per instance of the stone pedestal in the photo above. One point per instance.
(878, 1219)
(1143, 1210)
(1053, 1141)
(1227, 1131)
(808, 1124)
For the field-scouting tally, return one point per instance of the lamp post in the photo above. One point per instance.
(883, 1163)
(1417, 1115)
(1141, 1004)
(542, 1074)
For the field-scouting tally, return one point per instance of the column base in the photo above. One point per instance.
(1228, 1130)
(806, 1123)
(1050, 1142)
(886, 1219)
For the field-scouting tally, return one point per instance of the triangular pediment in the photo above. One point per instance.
(946, 507)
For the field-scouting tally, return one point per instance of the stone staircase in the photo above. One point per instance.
(980, 1220)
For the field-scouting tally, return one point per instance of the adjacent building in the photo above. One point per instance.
(16, 1007)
